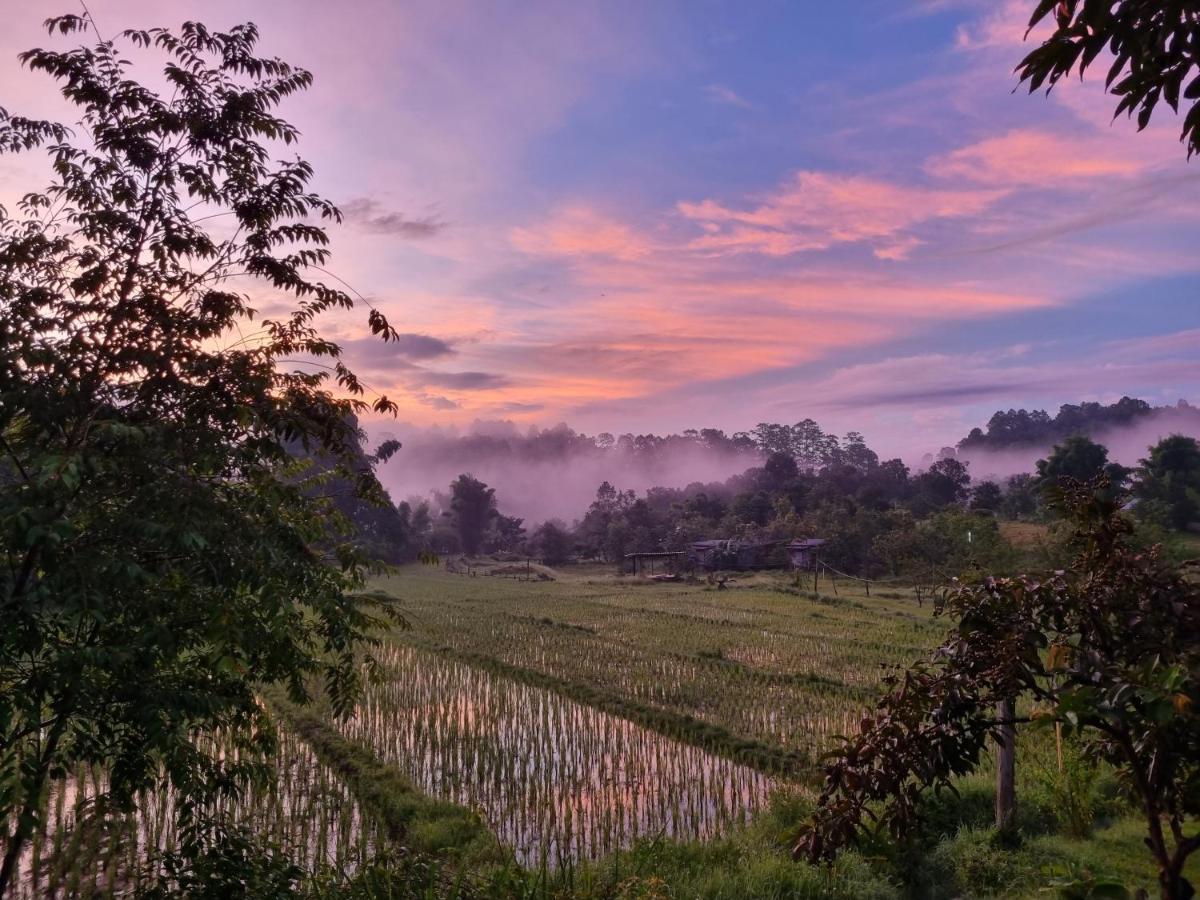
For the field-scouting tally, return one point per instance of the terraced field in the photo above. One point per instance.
(764, 664)
(542, 721)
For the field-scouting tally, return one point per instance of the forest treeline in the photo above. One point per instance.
(879, 516)
(1022, 428)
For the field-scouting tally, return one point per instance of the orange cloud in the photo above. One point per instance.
(1026, 157)
(579, 231)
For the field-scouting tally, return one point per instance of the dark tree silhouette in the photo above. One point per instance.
(164, 555)
(1149, 48)
(473, 507)
(1078, 458)
(1168, 485)
(944, 483)
(552, 543)
(986, 495)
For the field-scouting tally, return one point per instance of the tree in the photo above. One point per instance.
(164, 553)
(987, 496)
(773, 438)
(1020, 496)
(943, 484)
(779, 471)
(1078, 458)
(750, 508)
(552, 543)
(608, 507)
(1108, 650)
(1151, 55)
(472, 507)
(373, 524)
(506, 534)
(811, 446)
(856, 453)
(1168, 485)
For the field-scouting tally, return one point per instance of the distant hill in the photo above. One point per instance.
(1023, 428)
(1013, 439)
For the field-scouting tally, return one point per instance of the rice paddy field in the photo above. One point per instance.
(580, 714)
(762, 663)
(550, 726)
(306, 810)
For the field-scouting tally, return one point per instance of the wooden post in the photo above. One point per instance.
(1006, 767)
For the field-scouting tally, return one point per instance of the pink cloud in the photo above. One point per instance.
(1004, 27)
(1027, 157)
(719, 93)
(579, 231)
(818, 210)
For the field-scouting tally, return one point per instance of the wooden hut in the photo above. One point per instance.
(803, 553)
(732, 554)
(654, 562)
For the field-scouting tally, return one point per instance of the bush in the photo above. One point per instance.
(978, 862)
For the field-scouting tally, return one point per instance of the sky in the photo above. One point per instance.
(633, 216)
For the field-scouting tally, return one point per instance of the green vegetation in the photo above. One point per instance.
(1108, 652)
(163, 550)
(493, 666)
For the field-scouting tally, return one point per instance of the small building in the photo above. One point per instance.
(654, 562)
(803, 553)
(732, 554)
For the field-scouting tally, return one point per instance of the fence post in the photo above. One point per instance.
(1006, 767)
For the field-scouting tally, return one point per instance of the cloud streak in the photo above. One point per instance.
(368, 215)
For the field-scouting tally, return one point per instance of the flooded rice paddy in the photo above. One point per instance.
(556, 780)
(306, 811)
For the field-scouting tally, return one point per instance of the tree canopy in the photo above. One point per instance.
(1168, 483)
(473, 507)
(1078, 458)
(1109, 650)
(164, 551)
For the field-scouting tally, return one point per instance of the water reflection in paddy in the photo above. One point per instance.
(555, 779)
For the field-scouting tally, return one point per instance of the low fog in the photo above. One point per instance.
(1127, 444)
(552, 473)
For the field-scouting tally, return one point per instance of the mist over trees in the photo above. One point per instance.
(878, 516)
(552, 473)
(1020, 427)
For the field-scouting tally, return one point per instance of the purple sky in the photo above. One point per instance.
(654, 216)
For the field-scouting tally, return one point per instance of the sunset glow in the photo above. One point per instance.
(661, 216)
